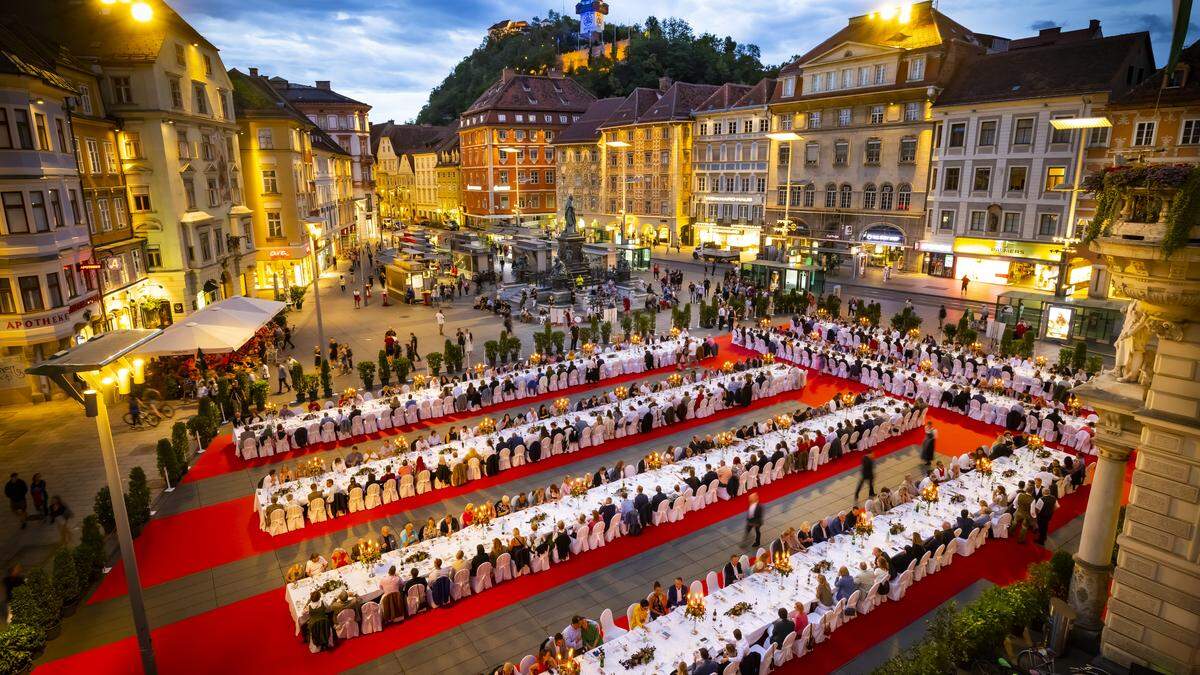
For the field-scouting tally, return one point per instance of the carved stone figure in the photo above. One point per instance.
(1131, 343)
(569, 216)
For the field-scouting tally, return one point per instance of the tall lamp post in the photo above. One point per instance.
(88, 373)
(624, 182)
(788, 137)
(515, 153)
(1068, 240)
(314, 233)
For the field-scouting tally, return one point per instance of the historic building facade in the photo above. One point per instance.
(730, 164)
(577, 153)
(505, 141)
(1000, 201)
(449, 178)
(861, 102)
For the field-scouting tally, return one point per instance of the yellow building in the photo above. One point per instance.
(646, 160)
(577, 151)
(280, 184)
(449, 179)
(406, 176)
(333, 171)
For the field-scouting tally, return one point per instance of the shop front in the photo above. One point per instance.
(1021, 264)
(741, 238)
(1064, 320)
(279, 268)
(784, 276)
(882, 245)
(29, 339)
(937, 259)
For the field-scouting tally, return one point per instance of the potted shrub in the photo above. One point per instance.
(36, 603)
(366, 372)
(103, 509)
(402, 366)
(326, 379)
(298, 381)
(384, 369)
(514, 348)
(296, 294)
(137, 501)
(434, 361)
(259, 391)
(606, 330)
(490, 349)
(67, 581)
(20, 645)
(558, 338)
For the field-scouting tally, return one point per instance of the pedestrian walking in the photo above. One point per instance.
(357, 299)
(37, 492)
(754, 520)
(1045, 511)
(17, 492)
(367, 294)
(941, 315)
(470, 346)
(928, 446)
(1023, 515)
(60, 515)
(281, 373)
(441, 322)
(866, 475)
(412, 346)
(966, 281)
(342, 282)
(316, 357)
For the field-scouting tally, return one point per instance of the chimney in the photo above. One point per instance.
(1047, 32)
(323, 84)
(254, 72)
(507, 74)
(1094, 27)
(664, 83)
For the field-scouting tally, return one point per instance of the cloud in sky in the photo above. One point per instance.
(390, 53)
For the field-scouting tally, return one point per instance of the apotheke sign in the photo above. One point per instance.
(50, 319)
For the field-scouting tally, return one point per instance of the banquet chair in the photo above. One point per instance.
(373, 497)
(678, 508)
(700, 500)
(711, 496)
(901, 586)
(278, 524)
(744, 560)
(518, 456)
(526, 664)
(768, 660)
(581, 541)
(951, 549)
(295, 516)
(385, 420)
(413, 599)
(541, 563)
(406, 486)
(922, 567)
(839, 616)
(935, 562)
(441, 592)
(504, 568)
(437, 408)
(473, 469)
(780, 467)
(462, 584)
(356, 500)
(786, 650)
(733, 668)
(411, 415)
(851, 609)
(389, 493)
(372, 620)
(697, 588)
(1000, 530)
(505, 460)
(249, 448)
(328, 432)
(629, 613)
(328, 405)
(610, 629)
(661, 515)
(423, 484)
(370, 424)
(614, 528)
(966, 546)
(483, 578)
(316, 511)
(392, 607)
(712, 580)
(597, 538)
(801, 646)
(346, 626)
(871, 600)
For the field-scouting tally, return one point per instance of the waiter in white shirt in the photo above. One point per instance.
(754, 519)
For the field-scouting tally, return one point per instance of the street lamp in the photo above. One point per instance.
(87, 373)
(314, 233)
(624, 182)
(517, 180)
(1083, 124)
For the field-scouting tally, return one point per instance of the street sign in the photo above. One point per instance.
(89, 266)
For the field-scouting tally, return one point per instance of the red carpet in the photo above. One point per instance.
(255, 635)
(202, 538)
(220, 458)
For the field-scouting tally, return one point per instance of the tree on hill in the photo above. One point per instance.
(669, 47)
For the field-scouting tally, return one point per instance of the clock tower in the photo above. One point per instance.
(591, 18)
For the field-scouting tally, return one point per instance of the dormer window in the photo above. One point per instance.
(789, 87)
(1179, 77)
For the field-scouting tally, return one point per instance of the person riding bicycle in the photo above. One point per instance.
(135, 410)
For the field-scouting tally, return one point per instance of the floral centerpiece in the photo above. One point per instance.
(725, 439)
(926, 365)
(370, 552)
(815, 336)
(695, 607)
(864, 350)
(914, 333)
(674, 332)
(312, 467)
(896, 528)
(782, 564)
(480, 515)
(486, 425)
(822, 313)
(997, 385)
(1039, 361)
(295, 573)
(847, 399)
(347, 396)
(764, 323)
(864, 527)
(641, 657)
(1009, 473)
(768, 358)
(1036, 442)
(1074, 405)
(621, 393)
(588, 348)
(738, 609)
(977, 347)
(654, 461)
(536, 521)
(727, 367)
(571, 355)
(928, 496)
(675, 379)
(822, 567)
(579, 487)
(416, 557)
(984, 466)
(567, 665)
(535, 358)
(635, 339)
(783, 421)
(562, 405)
(958, 499)
(331, 586)
(420, 380)
(479, 368)
(864, 321)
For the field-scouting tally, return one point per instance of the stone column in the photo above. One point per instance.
(1093, 560)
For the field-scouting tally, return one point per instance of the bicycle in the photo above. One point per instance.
(147, 419)
(1039, 660)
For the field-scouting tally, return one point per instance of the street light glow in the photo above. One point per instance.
(784, 136)
(618, 144)
(1068, 123)
(141, 11)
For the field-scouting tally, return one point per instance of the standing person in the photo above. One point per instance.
(412, 346)
(470, 346)
(754, 519)
(966, 281)
(60, 515)
(37, 490)
(16, 490)
(342, 282)
(866, 475)
(1045, 511)
(941, 315)
(441, 321)
(928, 446)
(281, 373)
(1023, 515)
(367, 294)
(317, 356)
(357, 298)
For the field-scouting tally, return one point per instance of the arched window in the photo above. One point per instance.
(844, 196)
(724, 153)
(830, 195)
(885, 197)
(810, 195)
(869, 196)
(903, 197)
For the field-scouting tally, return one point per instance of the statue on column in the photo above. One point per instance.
(569, 216)
(1131, 344)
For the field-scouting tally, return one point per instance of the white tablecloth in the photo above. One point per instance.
(676, 638)
(364, 581)
(613, 363)
(781, 378)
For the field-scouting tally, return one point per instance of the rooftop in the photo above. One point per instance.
(548, 93)
(587, 128)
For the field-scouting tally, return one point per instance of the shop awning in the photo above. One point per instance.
(221, 327)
